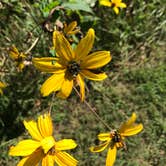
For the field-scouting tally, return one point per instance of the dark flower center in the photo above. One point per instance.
(52, 151)
(116, 137)
(73, 68)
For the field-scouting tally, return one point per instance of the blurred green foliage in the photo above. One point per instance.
(136, 82)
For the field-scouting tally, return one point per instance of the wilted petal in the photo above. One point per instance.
(69, 29)
(65, 144)
(96, 60)
(24, 148)
(33, 130)
(85, 45)
(45, 125)
(93, 76)
(111, 156)
(33, 159)
(53, 83)
(64, 159)
(100, 147)
(104, 136)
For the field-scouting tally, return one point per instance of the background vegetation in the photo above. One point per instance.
(136, 78)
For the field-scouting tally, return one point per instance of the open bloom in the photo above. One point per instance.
(18, 57)
(2, 86)
(116, 4)
(71, 66)
(42, 148)
(115, 139)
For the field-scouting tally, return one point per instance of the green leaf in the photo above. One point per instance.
(77, 5)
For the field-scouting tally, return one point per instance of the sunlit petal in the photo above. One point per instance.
(33, 159)
(96, 60)
(64, 159)
(85, 45)
(111, 156)
(65, 144)
(116, 10)
(24, 148)
(32, 128)
(100, 147)
(45, 125)
(105, 3)
(93, 76)
(122, 5)
(104, 136)
(48, 160)
(53, 83)
(80, 81)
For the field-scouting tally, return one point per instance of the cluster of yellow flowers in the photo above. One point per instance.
(69, 69)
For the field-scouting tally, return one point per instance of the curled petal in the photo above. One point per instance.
(85, 45)
(65, 144)
(64, 159)
(93, 76)
(45, 125)
(24, 148)
(104, 136)
(33, 130)
(100, 147)
(111, 156)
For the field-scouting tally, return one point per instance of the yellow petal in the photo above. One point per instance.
(14, 53)
(2, 85)
(53, 83)
(105, 3)
(70, 27)
(62, 47)
(33, 159)
(100, 147)
(64, 159)
(47, 143)
(133, 130)
(48, 160)
(80, 81)
(111, 156)
(104, 136)
(122, 5)
(85, 45)
(116, 10)
(24, 148)
(93, 76)
(45, 125)
(32, 128)
(66, 88)
(65, 144)
(21, 66)
(49, 65)
(96, 60)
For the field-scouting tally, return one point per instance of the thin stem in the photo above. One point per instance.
(93, 111)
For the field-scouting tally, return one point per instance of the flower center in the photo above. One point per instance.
(73, 68)
(116, 137)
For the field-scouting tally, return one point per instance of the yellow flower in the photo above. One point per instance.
(116, 4)
(2, 86)
(115, 139)
(72, 65)
(43, 148)
(17, 57)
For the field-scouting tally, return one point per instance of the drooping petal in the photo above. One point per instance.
(33, 130)
(111, 156)
(96, 60)
(100, 147)
(116, 10)
(24, 148)
(66, 88)
(80, 81)
(105, 3)
(85, 45)
(65, 144)
(93, 76)
(45, 125)
(53, 83)
(122, 5)
(132, 131)
(104, 136)
(33, 159)
(48, 160)
(65, 159)
(49, 65)
(62, 47)
(68, 30)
